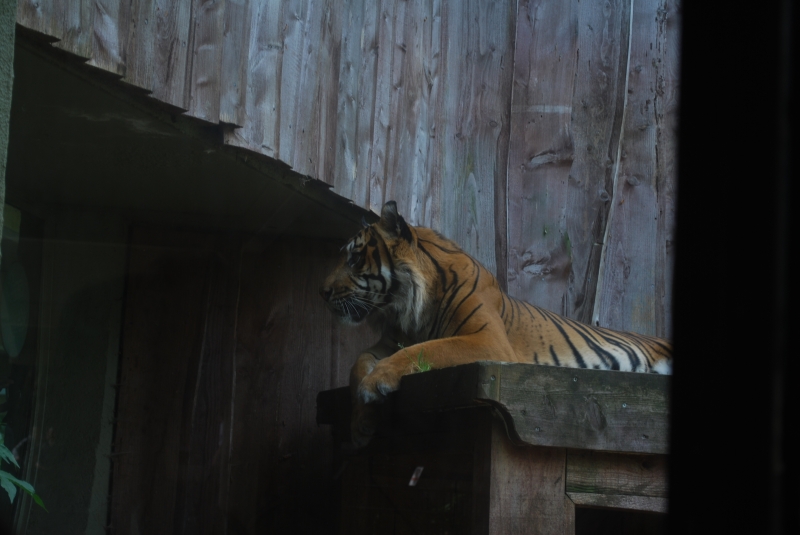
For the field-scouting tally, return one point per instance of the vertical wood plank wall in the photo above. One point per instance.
(223, 353)
(539, 134)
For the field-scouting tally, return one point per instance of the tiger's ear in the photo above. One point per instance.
(393, 223)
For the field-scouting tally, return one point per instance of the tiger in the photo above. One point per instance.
(435, 304)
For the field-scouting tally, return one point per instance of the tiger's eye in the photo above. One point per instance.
(354, 260)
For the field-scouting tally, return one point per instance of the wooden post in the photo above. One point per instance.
(519, 489)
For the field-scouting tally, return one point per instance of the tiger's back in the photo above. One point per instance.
(535, 334)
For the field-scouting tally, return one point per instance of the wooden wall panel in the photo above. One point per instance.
(162, 342)
(172, 51)
(225, 349)
(233, 73)
(632, 289)
(204, 85)
(478, 44)
(541, 152)
(111, 20)
(597, 111)
(285, 355)
(259, 131)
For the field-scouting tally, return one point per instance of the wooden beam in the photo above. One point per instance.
(598, 472)
(616, 501)
(547, 406)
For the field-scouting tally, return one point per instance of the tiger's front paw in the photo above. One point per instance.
(378, 384)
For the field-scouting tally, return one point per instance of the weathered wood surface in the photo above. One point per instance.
(612, 501)
(579, 87)
(162, 343)
(527, 489)
(547, 406)
(617, 474)
(215, 429)
(636, 271)
(538, 134)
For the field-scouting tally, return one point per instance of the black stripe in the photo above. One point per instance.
(555, 358)
(467, 318)
(455, 310)
(575, 352)
(479, 330)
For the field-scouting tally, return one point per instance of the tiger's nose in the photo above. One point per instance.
(325, 292)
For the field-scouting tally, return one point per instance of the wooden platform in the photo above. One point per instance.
(504, 448)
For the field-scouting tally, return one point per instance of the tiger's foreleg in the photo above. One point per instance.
(364, 419)
(441, 353)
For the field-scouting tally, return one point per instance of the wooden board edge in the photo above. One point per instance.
(619, 501)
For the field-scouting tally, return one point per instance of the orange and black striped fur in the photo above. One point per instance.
(429, 298)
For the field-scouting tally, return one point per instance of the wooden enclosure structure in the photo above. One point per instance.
(205, 160)
(538, 134)
(559, 438)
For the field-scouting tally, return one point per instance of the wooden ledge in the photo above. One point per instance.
(541, 405)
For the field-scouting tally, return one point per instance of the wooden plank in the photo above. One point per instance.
(172, 38)
(598, 410)
(233, 73)
(597, 111)
(73, 23)
(35, 14)
(631, 281)
(473, 135)
(201, 500)
(141, 44)
(208, 20)
(611, 501)
(111, 20)
(282, 464)
(366, 101)
(527, 489)
(541, 152)
(293, 28)
(549, 406)
(382, 106)
(355, 30)
(307, 116)
(162, 340)
(260, 128)
(615, 473)
(667, 49)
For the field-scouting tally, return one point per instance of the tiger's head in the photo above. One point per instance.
(379, 272)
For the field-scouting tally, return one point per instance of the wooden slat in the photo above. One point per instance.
(382, 106)
(281, 457)
(616, 473)
(597, 111)
(549, 406)
(472, 134)
(172, 55)
(611, 501)
(233, 73)
(208, 20)
(348, 182)
(587, 409)
(541, 151)
(35, 14)
(367, 97)
(260, 127)
(111, 20)
(631, 288)
(141, 44)
(73, 25)
(162, 340)
(294, 21)
(527, 493)
(202, 492)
